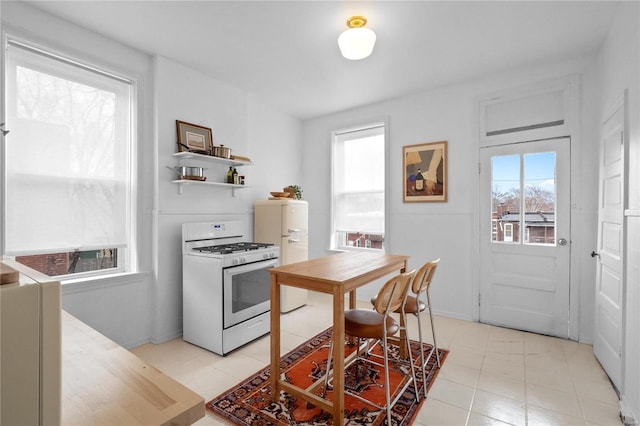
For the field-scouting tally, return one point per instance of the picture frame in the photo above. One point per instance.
(424, 172)
(194, 138)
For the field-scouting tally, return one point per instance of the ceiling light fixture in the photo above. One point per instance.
(357, 42)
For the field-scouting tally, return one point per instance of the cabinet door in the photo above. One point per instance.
(295, 218)
(293, 248)
(20, 361)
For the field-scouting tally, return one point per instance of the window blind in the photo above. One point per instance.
(359, 180)
(67, 158)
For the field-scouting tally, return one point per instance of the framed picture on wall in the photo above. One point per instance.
(425, 172)
(194, 138)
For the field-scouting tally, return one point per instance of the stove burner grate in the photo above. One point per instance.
(232, 248)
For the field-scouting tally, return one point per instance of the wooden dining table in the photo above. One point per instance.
(336, 274)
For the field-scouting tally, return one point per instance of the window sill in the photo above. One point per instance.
(124, 278)
(343, 250)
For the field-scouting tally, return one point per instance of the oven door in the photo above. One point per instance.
(246, 291)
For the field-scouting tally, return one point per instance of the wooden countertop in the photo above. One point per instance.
(8, 274)
(105, 384)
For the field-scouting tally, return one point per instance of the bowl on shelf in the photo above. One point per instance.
(280, 194)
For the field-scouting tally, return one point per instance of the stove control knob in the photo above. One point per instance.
(243, 260)
(234, 261)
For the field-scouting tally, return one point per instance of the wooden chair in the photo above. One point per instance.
(414, 305)
(379, 325)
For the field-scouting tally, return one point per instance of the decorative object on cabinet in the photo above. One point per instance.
(278, 195)
(425, 172)
(294, 190)
(194, 138)
(209, 159)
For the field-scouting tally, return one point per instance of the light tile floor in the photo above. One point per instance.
(492, 376)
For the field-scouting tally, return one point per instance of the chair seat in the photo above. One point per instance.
(368, 324)
(410, 305)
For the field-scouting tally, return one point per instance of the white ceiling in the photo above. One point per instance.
(287, 52)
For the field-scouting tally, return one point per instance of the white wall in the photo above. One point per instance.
(118, 307)
(239, 121)
(620, 70)
(449, 230)
(147, 306)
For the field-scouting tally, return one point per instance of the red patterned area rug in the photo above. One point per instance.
(249, 403)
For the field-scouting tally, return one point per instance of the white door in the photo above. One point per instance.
(607, 343)
(524, 230)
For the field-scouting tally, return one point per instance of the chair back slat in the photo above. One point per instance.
(424, 276)
(393, 293)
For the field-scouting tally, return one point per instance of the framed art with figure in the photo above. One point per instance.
(425, 172)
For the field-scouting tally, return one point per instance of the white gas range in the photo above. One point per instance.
(225, 285)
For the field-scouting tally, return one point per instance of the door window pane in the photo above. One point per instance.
(540, 197)
(506, 200)
(528, 218)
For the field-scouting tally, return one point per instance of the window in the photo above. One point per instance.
(529, 218)
(67, 164)
(358, 189)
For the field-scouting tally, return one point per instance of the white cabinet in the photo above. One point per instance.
(285, 223)
(210, 160)
(30, 349)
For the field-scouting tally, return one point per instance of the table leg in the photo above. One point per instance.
(338, 357)
(275, 338)
(352, 299)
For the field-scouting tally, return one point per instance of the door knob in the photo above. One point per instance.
(594, 254)
(562, 242)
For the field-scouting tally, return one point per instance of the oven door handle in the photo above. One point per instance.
(262, 264)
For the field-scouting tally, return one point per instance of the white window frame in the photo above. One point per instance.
(348, 245)
(126, 256)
